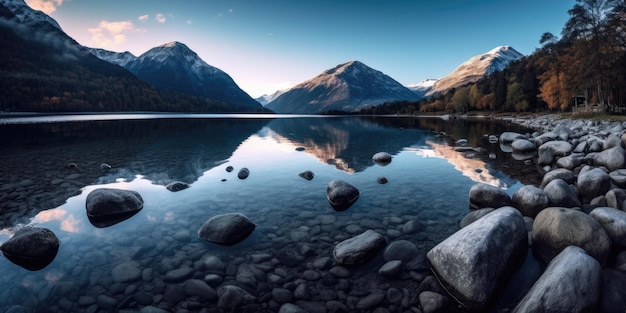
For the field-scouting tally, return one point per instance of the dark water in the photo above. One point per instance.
(47, 170)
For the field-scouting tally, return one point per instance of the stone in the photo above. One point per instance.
(177, 186)
(509, 137)
(243, 173)
(570, 283)
(339, 271)
(126, 272)
(556, 228)
(382, 180)
(391, 269)
(571, 161)
(226, 229)
(592, 183)
(370, 301)
(382, 158)
(614, 223)
(232, 297)
(612, 158)
(282, 295)
(178, 275)
(402, 250)
(432, 302)
(530, 200)
(618, 177)
(105, 202)
(475, 262)
(522, 146)
(562, 173)
(613, 297)
(551, 149)
(412, 226)
(359, 249)
(560, 194)
(32, 248)
(341, 195)
(291, 308)
(487, 196)
(229, 169)
(474, 215)
(308, 175)
(615, 198)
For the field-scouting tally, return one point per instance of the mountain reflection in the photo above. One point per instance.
(346, 143)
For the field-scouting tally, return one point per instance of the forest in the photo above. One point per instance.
(583, 69)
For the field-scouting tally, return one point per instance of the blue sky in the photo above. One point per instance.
(272, 44)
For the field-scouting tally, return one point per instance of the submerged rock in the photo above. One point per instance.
(570, 283)
(359, 249)
(108, 206)
(341, 194)
(177, 186)
(226, 229)
(382, 158)
(308, 175)
(243, 173)
(475, 262)
(32, 248)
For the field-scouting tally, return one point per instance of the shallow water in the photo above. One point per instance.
(49, 166)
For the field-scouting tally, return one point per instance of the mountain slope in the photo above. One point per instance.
(174, 66)
(476, 68)
(265, 99)
(346, 87)
(423, 87)
(117, 58)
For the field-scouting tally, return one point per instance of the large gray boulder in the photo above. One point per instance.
(615, 198)
(382, 158)
(341, 195)
(475, 263)
(549, 150)
(226, 229)
(523, 146)
(530, 200)
(562, 173)
(570, 283)
(592, 183)
(560, 194)
(487, 196)
(474, 215)
(359, 249)
(106, 202)
(32, 248)
(618, 177)
(612, 158)
(555, 229)
(614, 223)
(509, 137)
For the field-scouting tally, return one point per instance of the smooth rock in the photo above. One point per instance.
(370, 301)
(308, 175)
(232, 297)
(570, 283)
(530, 200)
(243, 173)
(556, 228)
(614, 223)
(592, 183)
(382, 158)
(103, 202)
(291, 308)
(402, 250)
(474, 215)
(32, 248)
(341, 194)
(196, 287)
(391, 269)
(382, 180)
(475, 263)
(560, 194)
(508, 137)
(618, 177)
(522, 146)
(549, 150)
(561, 173)
(359, 249)
(226, 229)
(612, 158)
(177, 186)
(178, 275)
(126, 272)
(615, 198)
(487, 196)
(432, 302)
(571, 161)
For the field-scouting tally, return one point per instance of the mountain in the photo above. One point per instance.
(45, 70)
(476, 68)
(117, 58)
(173, 66)
(265, 99)
(346, 87)
(422, 87)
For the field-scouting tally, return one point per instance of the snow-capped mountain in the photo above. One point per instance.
(26, 15)
(422, 87)
(118, 58)
(265, 99)
(346, 87)
(476, 68)
(175, 67)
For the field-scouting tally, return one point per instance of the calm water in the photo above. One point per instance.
(47, 170)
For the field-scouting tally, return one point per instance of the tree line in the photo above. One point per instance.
(583, 69)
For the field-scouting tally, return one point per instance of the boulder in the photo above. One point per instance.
(226, 229)
(615, 198)
(341, 194)
(522, 146)
(108, 202)
(560, 194)
(32, 248)
(555, 229)
(614, 223)
(618, 177)
(571, 161)
(475, 263)
(308, 175)
(562, 173)
(570, 283)
(509, 137)
(612, 158)
(359, 249)
(530, 200)
(551, 149)
(592, 183)
(487, 196)
(382, 158)
(612, 141)
(177, 186)
(474, 215)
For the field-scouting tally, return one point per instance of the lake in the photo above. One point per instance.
(50, 164)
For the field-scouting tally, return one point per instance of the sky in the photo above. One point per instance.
(267, 45)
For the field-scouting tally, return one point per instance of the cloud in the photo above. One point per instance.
(160, 18)
(45, 6)
(110, 34)
(143, 17)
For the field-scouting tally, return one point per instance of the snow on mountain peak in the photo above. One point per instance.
(25, 14)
